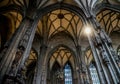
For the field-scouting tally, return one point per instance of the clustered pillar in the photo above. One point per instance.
(40, 67)
(104, 55)
(14, 55)
(82, 70)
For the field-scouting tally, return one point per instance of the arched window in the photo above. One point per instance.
(68, 74)
(94, 74)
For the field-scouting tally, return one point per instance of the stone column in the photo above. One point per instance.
(39, 67)
(111, 52)
(44, 69)
(20, 46)
(8, 54)
(88, 79)
(44, 75)
(109, 59)
(26, 42)
(98, 63)
(80, 65)
(105, 48)
(105, 69)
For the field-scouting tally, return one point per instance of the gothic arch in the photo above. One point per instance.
(66, 48)
(61, 58)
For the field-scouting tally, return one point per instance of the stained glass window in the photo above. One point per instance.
(94, 74)
(68, 74)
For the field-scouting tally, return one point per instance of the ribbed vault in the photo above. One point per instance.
(61, 56)
(109, 20)
(58, 21)
(57, 27)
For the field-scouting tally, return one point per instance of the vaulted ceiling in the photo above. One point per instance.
(61, 25)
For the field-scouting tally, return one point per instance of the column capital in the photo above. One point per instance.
(31, 14)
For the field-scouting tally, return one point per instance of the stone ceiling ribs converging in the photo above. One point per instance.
(61, 21)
